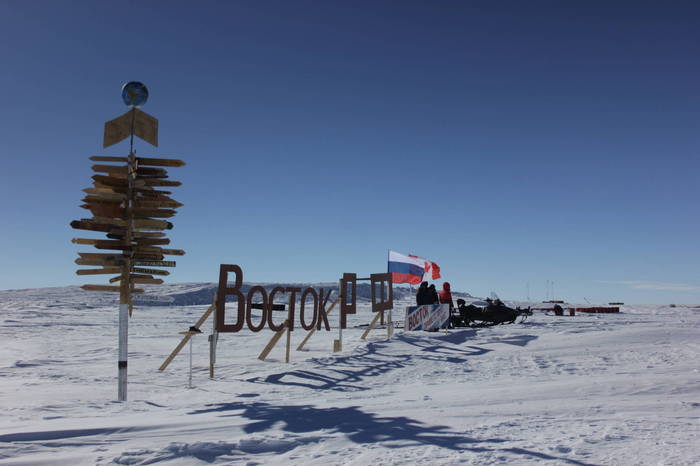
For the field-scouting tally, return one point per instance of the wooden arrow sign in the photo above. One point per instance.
(150, 271)
(89, 225)
(106, 194)
(156, 204)
(100, 243)
(152, 241)
(102, 158)
(149, 224)
(146, 281)
(123, 169)
(105, 210)
(155, 182)
(118, 129)
(99, 261)
(160, 162)
(148, 171)
(114, 288)
(159, 213)
(102, 271)
(155, 263)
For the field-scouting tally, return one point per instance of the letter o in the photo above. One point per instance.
(249, 308)
(313, 293)
(271, 301)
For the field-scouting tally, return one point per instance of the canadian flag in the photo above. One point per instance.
(434, 268)
(429, 267)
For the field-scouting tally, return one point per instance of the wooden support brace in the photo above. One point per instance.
(371, 325)
(312, 331)
(289, 342)
(186, 338)
(273, 341)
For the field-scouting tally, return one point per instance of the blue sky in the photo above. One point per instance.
(510, 142)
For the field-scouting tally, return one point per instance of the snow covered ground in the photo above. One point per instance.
(589, 389)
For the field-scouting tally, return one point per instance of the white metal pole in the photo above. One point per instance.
(190, 383)
(123, 349)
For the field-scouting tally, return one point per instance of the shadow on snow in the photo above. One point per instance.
(360, 427)
(344, 373)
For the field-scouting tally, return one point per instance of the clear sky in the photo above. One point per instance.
(511, 142)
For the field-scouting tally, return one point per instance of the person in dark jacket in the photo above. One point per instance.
(423, 295)
(432, 292)
(446, 296)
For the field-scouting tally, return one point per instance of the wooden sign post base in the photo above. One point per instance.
(273, 341)
(372, 324)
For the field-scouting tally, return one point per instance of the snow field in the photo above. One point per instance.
(589, 389)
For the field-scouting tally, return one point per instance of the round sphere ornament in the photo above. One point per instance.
(134, 94)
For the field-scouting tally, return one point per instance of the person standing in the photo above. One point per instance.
(432, 292)
(445, 296)
(422, 295)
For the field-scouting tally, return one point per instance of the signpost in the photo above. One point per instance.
(126, 206)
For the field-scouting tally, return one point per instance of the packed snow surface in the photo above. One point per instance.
(588, 389)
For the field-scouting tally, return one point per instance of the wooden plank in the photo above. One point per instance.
(110, 288)
(157, 204)
(105, 210)
(371, 325)
(102, 200)
(173, 252)
(149, 171)
(158, 213)
(118, 245)
(146, 126)
(147, 257)
(152, 241)
(147, 281)
(155, 263)
(148, 192)
(161, 251)
(150, 182)
(116, 182)
(89, 241)
(186, 339)
(88, 225)
(116, 279)
(101, 158)
(101, 255)
(110, 168)
(117, 129)
(101, 243)
(156, 162)
(138, 235)
(273, 341)
(104, 190)
(110, 181)
(289, 343)
(102, 271)
(150, 271)
(110, 221)
(97, 261)
(135, 236)
(151, 224)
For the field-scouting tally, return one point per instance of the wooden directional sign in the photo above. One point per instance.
(145, 126)
(125, 206)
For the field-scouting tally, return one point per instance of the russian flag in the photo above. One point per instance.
(407, 269)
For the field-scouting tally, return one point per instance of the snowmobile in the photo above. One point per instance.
(494, 313)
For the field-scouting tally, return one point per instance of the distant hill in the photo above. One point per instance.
(178, 294)
(188, 294)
